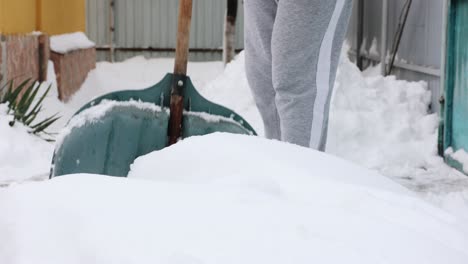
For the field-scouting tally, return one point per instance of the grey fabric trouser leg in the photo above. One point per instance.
(292, 49)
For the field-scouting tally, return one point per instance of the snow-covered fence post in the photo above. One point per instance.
(230, 31)
(74, 56)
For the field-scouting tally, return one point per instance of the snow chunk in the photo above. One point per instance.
(227, 199)
(460, 156)
(374, 49)
(215, 118)
(23, 156)
(69, 42)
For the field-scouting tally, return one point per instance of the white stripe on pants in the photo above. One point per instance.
(292, 49)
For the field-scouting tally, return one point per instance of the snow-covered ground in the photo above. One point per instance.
(242, 200)
(379, 123)
(22, 156)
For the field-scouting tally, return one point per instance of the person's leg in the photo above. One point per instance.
(306, 43)
(259, 20)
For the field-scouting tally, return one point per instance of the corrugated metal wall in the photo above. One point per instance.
(152, 23)
(141, 24)
(421, 43)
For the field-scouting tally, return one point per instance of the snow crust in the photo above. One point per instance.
(241, 200)
(69, 42)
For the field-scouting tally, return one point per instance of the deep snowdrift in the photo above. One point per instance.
(227, 199)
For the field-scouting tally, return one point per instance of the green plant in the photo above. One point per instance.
(24, 106)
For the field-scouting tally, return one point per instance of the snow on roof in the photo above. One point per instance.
(69, 42)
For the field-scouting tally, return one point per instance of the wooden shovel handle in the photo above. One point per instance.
(180, 71)
(183, 37)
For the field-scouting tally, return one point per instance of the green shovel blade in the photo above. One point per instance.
(109, 145)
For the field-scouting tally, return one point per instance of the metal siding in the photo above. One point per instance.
(153, 23)
(421, 42)
(97, 24)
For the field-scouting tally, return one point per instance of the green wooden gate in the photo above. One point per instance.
(454, 132)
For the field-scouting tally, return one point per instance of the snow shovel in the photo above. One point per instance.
(106, 135)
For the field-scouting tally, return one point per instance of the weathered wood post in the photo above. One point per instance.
(229, 49)
(44, 55)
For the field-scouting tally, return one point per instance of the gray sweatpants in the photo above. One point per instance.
(292, 48)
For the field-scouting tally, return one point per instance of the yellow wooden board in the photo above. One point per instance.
(49, 16)
(17, 16)
(59, 16)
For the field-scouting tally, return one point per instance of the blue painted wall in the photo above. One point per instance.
(456, 88)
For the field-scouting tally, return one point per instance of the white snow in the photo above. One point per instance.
(22, 155)
(460, 156)
(69, 42)
(212, 118)
(374, 48)
(379, 123)
(242, 200)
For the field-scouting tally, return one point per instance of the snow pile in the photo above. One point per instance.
(69, 42)
(22, 155)
(232, 90)
(244, 200)
(378, 122)
(382, 123)
(460, 156)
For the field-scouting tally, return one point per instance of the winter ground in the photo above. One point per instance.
(378, 123)
(244, 200)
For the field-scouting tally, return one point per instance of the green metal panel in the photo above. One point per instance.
(455, 130)
(110, 145)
